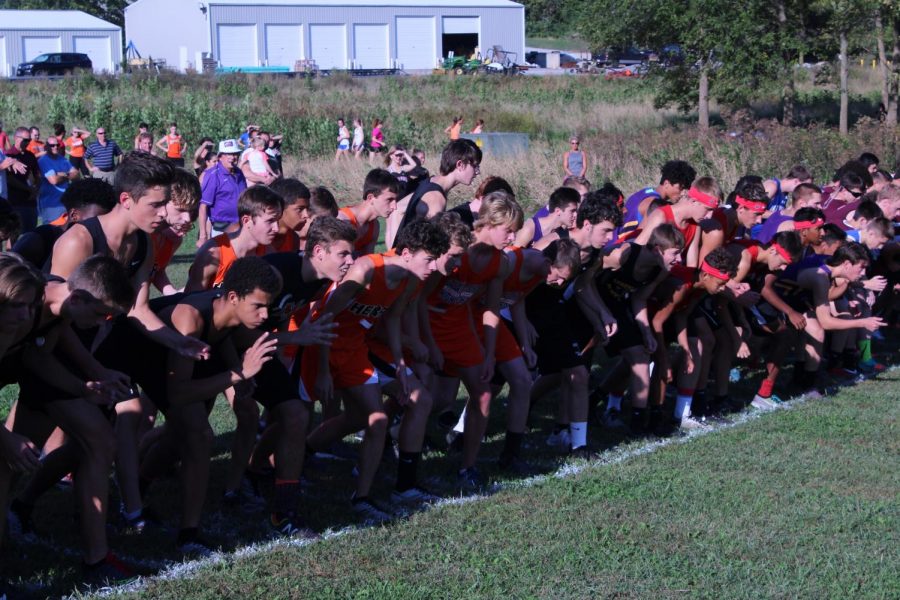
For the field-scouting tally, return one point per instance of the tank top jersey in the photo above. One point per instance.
(538, 233)
(425, 187)
(163, 250)
(688, 231)
(687, 276)
(779, 200)
(632, 218)
(227, 257)
(787, 288)
(173, 146)
(100, 245)
(367, 236)
(452, 297)
(617, 286)
(367, 308)
(729, 233)
(514, 287)
(202, 301)
(575, 161)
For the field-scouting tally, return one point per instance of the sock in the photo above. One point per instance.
(614, 402)
(765, 388)
(512, 444)
(460, 426)
(683, 403)
(287, 494)
(865, 351)
(407, 466)
(579, 434)
(188, 534)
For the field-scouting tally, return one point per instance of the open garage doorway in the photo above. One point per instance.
(460, 36)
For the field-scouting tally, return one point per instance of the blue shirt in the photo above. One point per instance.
(103, 157)
(3, 190)
(220, 192)
(50, 207)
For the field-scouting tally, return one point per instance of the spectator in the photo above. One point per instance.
(221, 188)
(343, 141)
(453, 129)
(359, 138)
(143, 129)
(102, 157)
(23, 187)
(206, 147)
(36, 145)
(479, 126)
(248, 135)
(173, 145)
(376, 145)
(56, 173)
(273, 150)
(75, 148)
(145, 143)
(574, 159)
(254, 164)
(4, 139)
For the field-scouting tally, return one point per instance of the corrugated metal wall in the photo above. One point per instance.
(14, 48)
(499, 26)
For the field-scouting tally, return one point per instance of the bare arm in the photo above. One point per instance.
(204, 268)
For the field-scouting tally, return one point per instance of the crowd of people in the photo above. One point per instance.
(290, 302)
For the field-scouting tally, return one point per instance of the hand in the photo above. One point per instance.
(6, 163)
(403, 380)
(318, 332)
(876, 284)
(18, 452)
(257, 355)
(324, 387)
(688, 363)
(609, 324)
(19, 167)
(797, 320)
(743, 350)
(419, 351)
(871, 323)
(650, 342)
(191, 347)
(202, 239)
(436, 358)
(738, 289)
(530, 357)
(119, 383)
(487, 369)
(103, 393)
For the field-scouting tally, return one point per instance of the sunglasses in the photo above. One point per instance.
(855, 194)
(53, 145)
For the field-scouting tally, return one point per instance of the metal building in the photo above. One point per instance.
(342, 34)
(26, 34)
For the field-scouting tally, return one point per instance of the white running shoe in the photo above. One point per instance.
(762, 403)
(689, 423)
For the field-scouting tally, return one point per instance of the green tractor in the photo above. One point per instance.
(461, 65)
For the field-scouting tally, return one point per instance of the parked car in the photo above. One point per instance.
(54, 63)
(624, 56)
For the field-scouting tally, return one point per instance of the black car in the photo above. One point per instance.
(623, 56)
(54, 63)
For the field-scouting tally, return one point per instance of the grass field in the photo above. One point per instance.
(799, 503)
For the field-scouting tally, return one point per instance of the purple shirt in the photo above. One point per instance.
(769, 229)
(632, 218)
(220, 191)
(837, 212)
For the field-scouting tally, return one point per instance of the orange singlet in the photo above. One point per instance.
(227, 257)
(173, 145)
(366, 237)
(290, 242)
(61, 220)
(164, 248)
(349, 357)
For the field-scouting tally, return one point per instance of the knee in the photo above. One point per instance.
(578, 378)
(378, 422)
(422, 401)
(519, 382)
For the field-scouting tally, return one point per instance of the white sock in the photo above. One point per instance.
(683, 406)
(460, 426)
(614, 402)
(578, 432)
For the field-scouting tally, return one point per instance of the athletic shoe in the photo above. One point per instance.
(689, 423)
(812, 394)
(560, 439)
(415, 495)
(371, 513)
(291, 526)
(582, 453)
(146, 521)
(513, 465)
(871, 367)
(734, 375)
(612, 419)
(195, 547)
(19, 518)
(110, 571)
(469, 479)
(247, 497)
(762, 403)
(843, 375)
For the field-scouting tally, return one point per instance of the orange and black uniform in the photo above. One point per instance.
(227, 257)
(364, 238)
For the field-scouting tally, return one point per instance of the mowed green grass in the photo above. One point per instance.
(799, 503)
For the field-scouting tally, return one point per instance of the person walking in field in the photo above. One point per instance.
(479, 126)
(359, 139)
(343, 139)
(453, 129)
(574, 159)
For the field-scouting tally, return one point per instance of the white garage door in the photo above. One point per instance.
(98, 50)
(4, 68)
(284, 45)
(237, 46)
(370, 47)
(328, 46)
(460, 25)
(415, 43)
(32, 47)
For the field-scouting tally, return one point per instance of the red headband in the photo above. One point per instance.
(703, 198)
(710, 270)
(817, 222)
(759, 207)
(784, 253)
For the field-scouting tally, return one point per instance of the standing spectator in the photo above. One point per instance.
(36, 146)
(359, 138)
(145, 144)
(4, 139)
(479, 126)
(23, 187)
(75, 148)
(453, 129)
(103, 156)
(221, 188)
(254, 164)
(143, 128)
(56, 173)
(273, 150)
(574, 159)
(343, 139)
(173, 145)
(248, 135)
(206, 147)
(376, 145)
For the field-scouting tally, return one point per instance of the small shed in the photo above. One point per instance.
(26, 34)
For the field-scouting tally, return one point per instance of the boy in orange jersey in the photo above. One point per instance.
(295, 217)
(259, 210)
(377, 287)
(379, 200)
(450, 333)
(181, 212)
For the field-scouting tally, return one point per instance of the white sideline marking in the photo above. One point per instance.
(609, 457)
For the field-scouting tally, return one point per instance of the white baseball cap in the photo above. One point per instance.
(229, 147)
